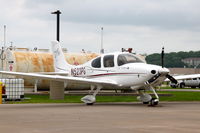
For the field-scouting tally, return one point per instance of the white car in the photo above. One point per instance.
(193, 83)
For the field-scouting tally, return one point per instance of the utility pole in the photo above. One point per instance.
(102, 50)
(4, 36)
(2, 57)
(58, 24)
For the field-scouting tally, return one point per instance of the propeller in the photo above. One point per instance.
(172, 79)
(162, 57)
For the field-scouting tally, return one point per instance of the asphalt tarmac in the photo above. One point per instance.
(172, 117)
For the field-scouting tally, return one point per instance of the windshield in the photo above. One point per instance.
(127, 58)
(96, 63)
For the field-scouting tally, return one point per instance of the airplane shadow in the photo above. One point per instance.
(77, 105)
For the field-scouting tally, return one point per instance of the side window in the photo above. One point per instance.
(96, 63)
(121, 60)
(108, 61)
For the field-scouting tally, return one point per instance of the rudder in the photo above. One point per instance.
(60, 64)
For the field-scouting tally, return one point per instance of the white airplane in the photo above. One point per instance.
(189, 80)
(188, 76)
(119, 70)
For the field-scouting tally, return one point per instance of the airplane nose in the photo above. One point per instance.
(163, 70)
(155, 69)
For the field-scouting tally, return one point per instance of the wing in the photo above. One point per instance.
(182, 77)
(62, 78)
(54, 73)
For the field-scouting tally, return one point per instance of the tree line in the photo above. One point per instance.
(173, 59)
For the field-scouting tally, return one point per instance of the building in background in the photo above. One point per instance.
(184, 71)
(192, 62)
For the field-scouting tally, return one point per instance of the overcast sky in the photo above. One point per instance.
(144, 25)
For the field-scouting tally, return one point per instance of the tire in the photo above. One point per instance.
(153, 103)
(89, 104)
(182, 85)
(173, 86)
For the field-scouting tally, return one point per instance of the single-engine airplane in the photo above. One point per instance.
(119, 70)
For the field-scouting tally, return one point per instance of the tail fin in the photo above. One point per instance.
(60, 64)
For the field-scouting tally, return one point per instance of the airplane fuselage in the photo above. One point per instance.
(126, 75)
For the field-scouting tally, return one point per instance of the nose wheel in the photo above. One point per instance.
(153, 102)
(147, 99)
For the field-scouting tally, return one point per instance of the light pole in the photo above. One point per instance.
(2, 57)
(58, 24)
(102, 50)
(4, 36)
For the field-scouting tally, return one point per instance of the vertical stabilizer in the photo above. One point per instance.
(60, 64)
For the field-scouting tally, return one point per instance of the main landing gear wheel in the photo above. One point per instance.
(89, 104)
(182, 85)
(145, 102)
(91, 99)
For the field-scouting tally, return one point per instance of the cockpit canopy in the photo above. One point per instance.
(127, 58)
(115, 60)
(96, 63)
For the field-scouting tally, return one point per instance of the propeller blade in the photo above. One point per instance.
(162, 57)
(172, 79)
(154, 78)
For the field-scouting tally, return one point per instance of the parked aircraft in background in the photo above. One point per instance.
(120, 70)
(191, 80)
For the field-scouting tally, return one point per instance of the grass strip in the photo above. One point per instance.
(176, 96)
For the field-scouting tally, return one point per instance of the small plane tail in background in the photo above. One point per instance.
(60, 64)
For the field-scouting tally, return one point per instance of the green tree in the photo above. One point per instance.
(173, 59)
